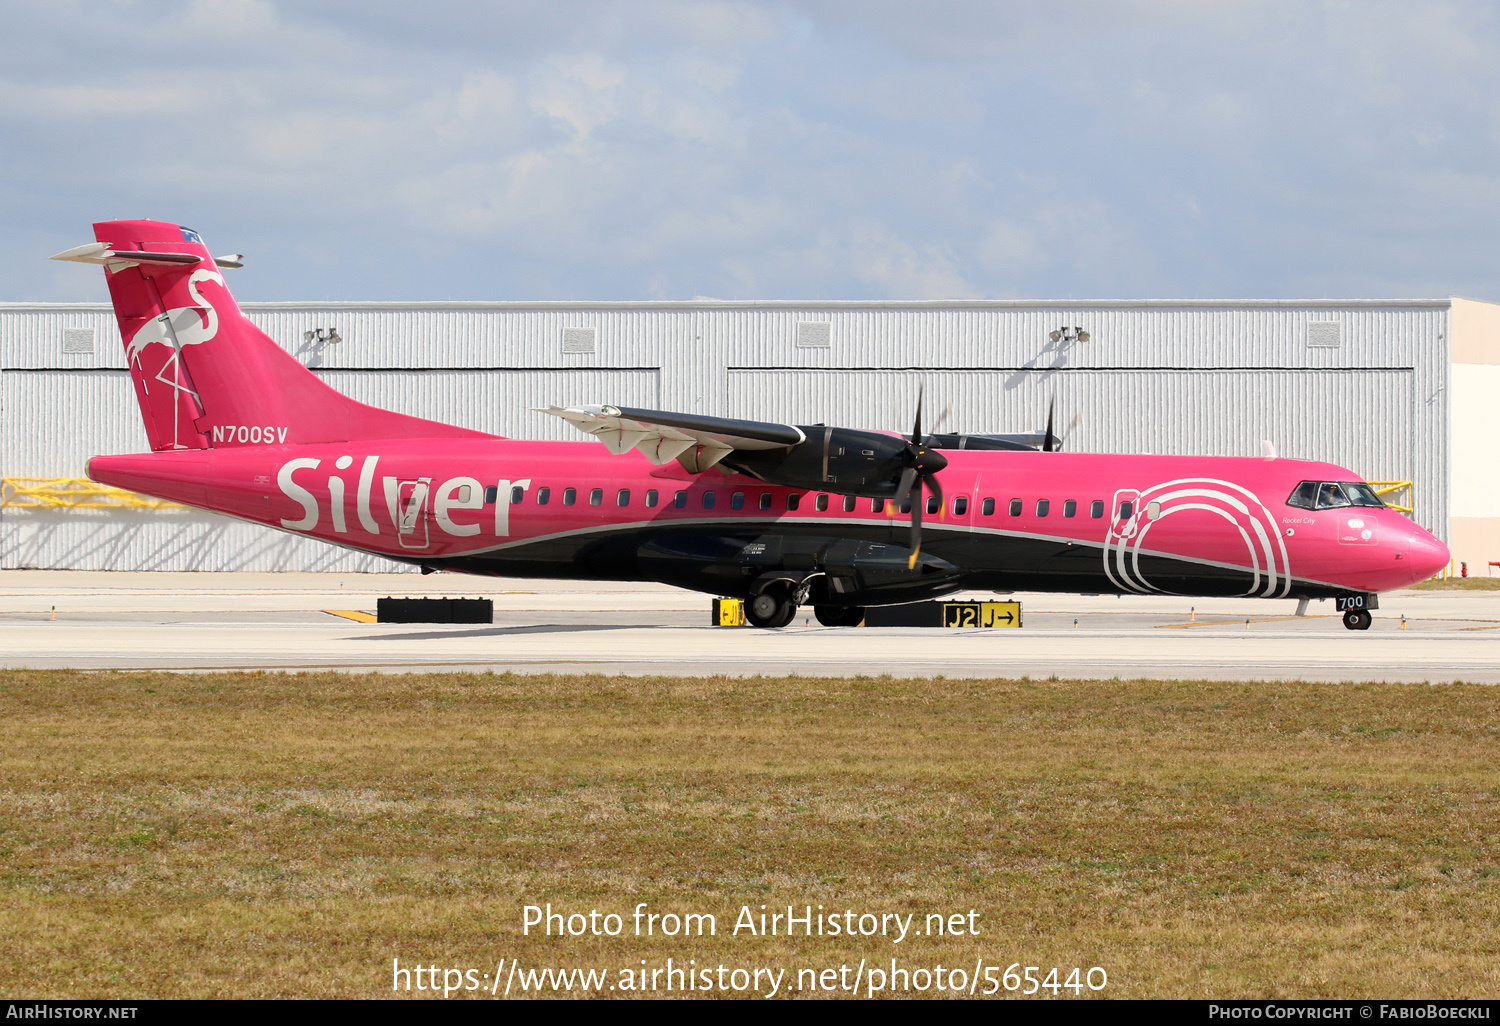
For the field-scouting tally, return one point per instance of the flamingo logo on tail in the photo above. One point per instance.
(178, 327)
(182, 325)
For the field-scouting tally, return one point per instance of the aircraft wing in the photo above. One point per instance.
(695, 442)
(1022, 440)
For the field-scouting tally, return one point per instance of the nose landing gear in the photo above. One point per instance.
(1358, 619)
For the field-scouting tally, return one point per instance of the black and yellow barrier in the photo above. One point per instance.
(945, 614)
(729, 612)
(434, 610)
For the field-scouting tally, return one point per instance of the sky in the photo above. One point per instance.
(784, 149)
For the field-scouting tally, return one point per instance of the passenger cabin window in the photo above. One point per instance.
(988, 507)
(517, 496)
(651, 497)
(821, 503)
(877, 505)
(793, 500)
(737, 500)
(1043, 507)
(709, 498)
(933, 504)
(570, 496)
(491, 493)
(680, 500)
(765, 500)
(905, 506)
(1153, 511)
(622, 497)
(1015, 507)
(543, 496)
(1070, 507)
(596, 497)
(849, 502)
(1127, 510)
(960, 505)
(1096, 509)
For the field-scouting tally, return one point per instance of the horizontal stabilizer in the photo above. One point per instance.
(117, 260)
(696, 442)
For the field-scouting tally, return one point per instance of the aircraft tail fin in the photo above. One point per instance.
(204, 375)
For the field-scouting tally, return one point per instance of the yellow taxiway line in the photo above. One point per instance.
(353, 614)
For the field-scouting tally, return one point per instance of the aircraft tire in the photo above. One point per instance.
(1358, 620)
(840, 616)
(772, 608)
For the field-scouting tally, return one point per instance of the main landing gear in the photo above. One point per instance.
(771, 608)
(840, 616)
(776, 606)
(1358, 619)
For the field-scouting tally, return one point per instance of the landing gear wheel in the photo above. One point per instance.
(771, 608)
(1358, 619)
(840, 616)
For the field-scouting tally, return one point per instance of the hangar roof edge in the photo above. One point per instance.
(811, 304)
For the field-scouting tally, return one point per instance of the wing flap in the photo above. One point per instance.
(696, 442)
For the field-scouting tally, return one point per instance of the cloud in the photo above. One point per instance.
(895, 267)
(785, 148)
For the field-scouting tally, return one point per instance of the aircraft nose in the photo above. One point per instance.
(1427, 554)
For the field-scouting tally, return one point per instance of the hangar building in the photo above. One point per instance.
(1405, 392)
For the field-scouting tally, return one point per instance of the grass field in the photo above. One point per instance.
(1459, 584)
(170, 835)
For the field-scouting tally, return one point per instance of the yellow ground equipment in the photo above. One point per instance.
(728, 613)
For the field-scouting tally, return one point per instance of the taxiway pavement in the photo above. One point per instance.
(181, 621)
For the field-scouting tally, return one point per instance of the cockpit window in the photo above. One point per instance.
(1333, 495)
(1304, 496)
(1361, 494)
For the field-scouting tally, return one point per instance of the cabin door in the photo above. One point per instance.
(411, 502)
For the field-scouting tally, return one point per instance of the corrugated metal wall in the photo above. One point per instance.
(502, 402)
(1146, 335)
(1166, 377)
(52, 421)
(1170, 412)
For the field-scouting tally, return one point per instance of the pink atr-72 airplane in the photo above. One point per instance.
(775, 514)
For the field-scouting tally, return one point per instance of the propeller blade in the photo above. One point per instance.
(1049, 440)
(916, 431)
(908, 480)
(932, 482)
(947, 411)
(916, 527)
(905, 488)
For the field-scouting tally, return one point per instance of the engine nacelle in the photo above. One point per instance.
(841, 460)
